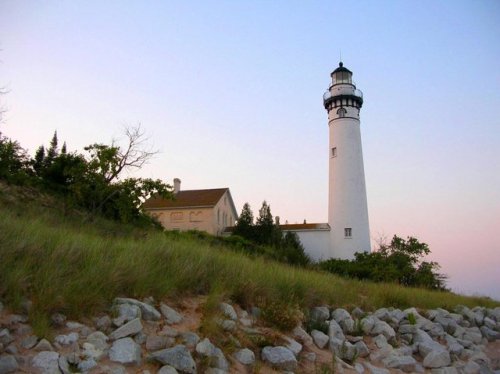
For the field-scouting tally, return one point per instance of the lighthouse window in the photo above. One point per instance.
(334, 152)
(341, 112)
(348, 232)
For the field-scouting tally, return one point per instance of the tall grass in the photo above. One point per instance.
(62, 264)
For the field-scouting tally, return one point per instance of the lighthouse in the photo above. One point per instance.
(347, 203)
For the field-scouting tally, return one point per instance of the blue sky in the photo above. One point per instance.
(231, 94)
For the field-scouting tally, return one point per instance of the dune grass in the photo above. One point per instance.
(65, 265)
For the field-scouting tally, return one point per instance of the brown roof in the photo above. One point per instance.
(305, 226)
(189, 198)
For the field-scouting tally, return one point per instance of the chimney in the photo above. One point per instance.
(177, 185)
(277, 218)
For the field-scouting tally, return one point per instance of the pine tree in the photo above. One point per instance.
(53, 151)
(39, 160)
(244, 224)
(63, 149)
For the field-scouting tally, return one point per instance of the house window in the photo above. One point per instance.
(176, 216)
(341, 112)
(348, 232)
(334, 152)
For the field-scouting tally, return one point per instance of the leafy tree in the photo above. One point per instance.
(14, 161)
(399, 262)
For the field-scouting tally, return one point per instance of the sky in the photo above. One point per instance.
(230, 93)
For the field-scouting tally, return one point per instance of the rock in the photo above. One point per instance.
(320, 338)
(407, 329)
(380, 341)
(426, 347)
(309, 356)
(375, 370)
(130, 328)
(178, 357)
(126, 313)
(302, 335)
(245, 356)
(228, 311)
(8, 364)
(167, 369)
(358, 313)
(72, 325)
(149, 313)
(215, 371)
(382, 327)
(405, 363)
(67, 339)
(279, 357)
(228, 325)
(5, 337)
(12, 349)
(58, 319)
(367, 324)
(171, 316)
(47, 362)
(190, 339)
(98, 340)
(335, 331)
(343, 350)
(471, 367)
(140, 338)
(473, 334)
(361, 349)
(169, 331)
(445, 370)
(91, 351)
(340, 314)
(64, 365)
(125, 351)
(320, 314)
(207, 349)
(293, 345)
(43, 345)
(87, 364)
(437, 359)
(155, 343)
(103, 323)
(489, 334)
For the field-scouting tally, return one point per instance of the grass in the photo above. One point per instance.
(64, 264)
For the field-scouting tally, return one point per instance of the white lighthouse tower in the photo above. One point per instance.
(347, 206)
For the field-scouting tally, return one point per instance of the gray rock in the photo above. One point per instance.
(358, 313)
(12, 349)
(171, 316)
(361, 349)
(340, 314)
(103, 323)
(473, 334)
(309, 356)
(67, 339)
(207, 349)
(407, 329)
(8, 364)
(380, 341)
(149, 313)
(424, 348)
(125, 351)
(155, 343)
(190, 339)
(335, 331)
(130, 328)
(228, 311)
(215, 371)
(445, 370)
(91, 351)
(64, 365)
(382, 327)
(320, 338)
(43, 345)
(5, 337)
(72, 325)
(170, 332)
(140, 338)
(87, 364)
(375, 370)
(126, 313)
(245, 356)
(293, 345)
(98, 340)
(489, 334)
(178, 357)
(167, 369)
(279, 357)
(302, 335)
(320, 313)
(347, 325)
(47, 362)
(437, 359)
(367, 324)
(405, 363)
(228, 325)
(23, 329)
(470, 367)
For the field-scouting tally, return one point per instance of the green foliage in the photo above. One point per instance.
(13, 161)
(411, 319)
(267, 237)
(397, 262)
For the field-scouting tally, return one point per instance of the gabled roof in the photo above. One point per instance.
(188, 198)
